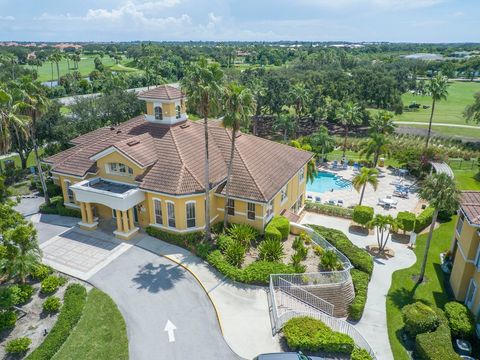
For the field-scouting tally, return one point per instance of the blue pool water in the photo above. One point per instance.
(326, 181)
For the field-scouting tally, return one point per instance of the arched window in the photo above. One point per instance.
(177, 111)
(158, 113)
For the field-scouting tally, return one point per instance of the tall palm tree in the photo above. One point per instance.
(382, 122)
(364, 177)
(441, 192)
(349, 115)
(239, 106)
(285, 123)
(376, 145)
(299, 97)
(438, 88)
(258, 91)
(203, 86)
(322, 142)
(10, 119)
(56, 57)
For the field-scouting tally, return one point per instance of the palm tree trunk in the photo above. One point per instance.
(37, 160)
(345, 142)
(207, 180)
(51, 82)
(363, 192)
(229, 174)
(375, 159)
(427, 247)
(58, 72)
(430, 124)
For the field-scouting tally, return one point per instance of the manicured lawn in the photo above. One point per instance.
(21, 188)
(449, 130)
(18, 163)
(100, 333)
(404, 290)
(466, 179)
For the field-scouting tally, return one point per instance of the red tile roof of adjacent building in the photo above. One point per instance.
(174, 158)
(470, 204)
(162, 92)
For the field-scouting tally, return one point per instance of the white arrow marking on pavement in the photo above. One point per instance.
(169, 327)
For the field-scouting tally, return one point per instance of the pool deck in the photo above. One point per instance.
(385, 187)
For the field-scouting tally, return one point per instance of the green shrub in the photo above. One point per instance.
(273, 233)
(41, 272)
(203, 250)
(460, 320)
(271, 250)
(57, 207)
(331, 210)
(360, 354)
(297, 243)
(424, 219)
(282, 224)
(74, 302)
(436, 345)
(188, 241)
(362, 214)
(406, 220)
(217, 228)
(318, 250)
(235, 253)
(51, 304)
(50, 284)
(360, 282)
(296, 259)
(21, 293)
(223, 242)
(329, 261)
(242, 233)
(8, 319)
(217, 260)
(419, 318)
(308, 334)
(359, 258)
(18, 346)
(307, 239)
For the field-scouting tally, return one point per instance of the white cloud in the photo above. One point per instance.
(7, 18)
(374, 4)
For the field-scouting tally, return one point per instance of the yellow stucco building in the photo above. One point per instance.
(149, 171)
(465, 249)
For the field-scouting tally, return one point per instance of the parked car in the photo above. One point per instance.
(286, 356)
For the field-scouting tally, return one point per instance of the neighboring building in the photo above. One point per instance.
(465, 276)
(150, 171)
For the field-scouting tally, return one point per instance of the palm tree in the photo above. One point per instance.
(203, 85)
(311, 166)
(322, 142)
(376, 145)
(258, 90)
(284, 123)
(438, 88)
(442, 194)
(349, 115)
(299, 97)
(364, 177)
(238, 106)
(382, 122)
(383, 223)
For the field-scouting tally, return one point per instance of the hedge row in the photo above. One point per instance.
(360, 281)
(331, 210)
(419, 318)
(72, 309)
(56, 207)
(188, 240)
(311, 335)
(363, 214)
(424, 219)
(278, 228)
(436, 345)
(359, 258)
(257, 272)
(460, 320)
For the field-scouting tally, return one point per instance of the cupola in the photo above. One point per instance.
(165, 105)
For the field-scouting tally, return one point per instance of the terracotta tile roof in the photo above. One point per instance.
(162, 92)
(470, 204)
(174, 158)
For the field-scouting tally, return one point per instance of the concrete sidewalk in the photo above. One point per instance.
(373, 324)
(242, 309)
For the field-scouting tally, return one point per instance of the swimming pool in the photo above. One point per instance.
(325, 181)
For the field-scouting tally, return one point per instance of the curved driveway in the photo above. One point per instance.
(150, 290)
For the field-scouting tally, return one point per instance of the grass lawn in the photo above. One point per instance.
(466, 179)
(449, 130)
(18, 163)
(20, 188)
(100, 333)
(403, 291)
(85, 66)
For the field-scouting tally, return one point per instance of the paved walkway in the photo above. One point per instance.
(373, 325)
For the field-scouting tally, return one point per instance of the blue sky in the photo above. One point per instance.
(310, 20)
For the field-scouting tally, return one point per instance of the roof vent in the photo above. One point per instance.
(112, 128)
(119, 131)
(184, 126)
(133, 142)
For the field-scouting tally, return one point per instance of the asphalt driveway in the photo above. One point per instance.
(150, 291)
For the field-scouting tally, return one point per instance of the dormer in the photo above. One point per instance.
(165, 105)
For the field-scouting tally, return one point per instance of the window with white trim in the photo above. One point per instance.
(177, 112)
(477, 259)
(231, 207)
(251, 211)
(471, 293)
(119, 169)
(284, 194)
(301, 175)
(70, 194)
(171, 214)
(157, 205)
(158, 113)
(460, 221)
(270, 209)
(191, 219)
